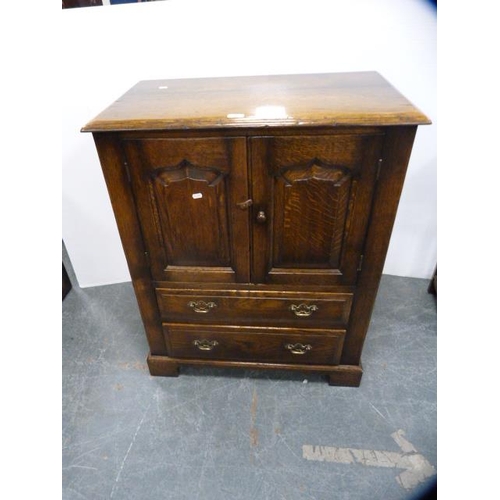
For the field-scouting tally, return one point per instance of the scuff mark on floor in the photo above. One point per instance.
(254, 433)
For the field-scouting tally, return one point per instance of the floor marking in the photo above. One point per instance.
(254, 433)
(417, 468)
(128, 451)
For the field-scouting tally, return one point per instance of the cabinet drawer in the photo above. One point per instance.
(278, 345)
(255, 307)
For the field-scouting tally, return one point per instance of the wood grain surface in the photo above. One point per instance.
(361, 98)
(279, 345)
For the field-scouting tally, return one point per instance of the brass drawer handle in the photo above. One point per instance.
(298, 348)
(201, 306)
(205, 345)
(303, 309)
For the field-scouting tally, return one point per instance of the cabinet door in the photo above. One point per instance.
(187, 191)
(312, 198)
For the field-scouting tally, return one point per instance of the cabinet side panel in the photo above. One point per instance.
(396, 154)
(123, 205)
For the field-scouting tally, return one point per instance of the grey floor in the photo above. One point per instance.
(229, 434)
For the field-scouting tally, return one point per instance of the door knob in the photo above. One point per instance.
(261, 217)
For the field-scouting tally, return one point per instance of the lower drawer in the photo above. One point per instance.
(276, 345)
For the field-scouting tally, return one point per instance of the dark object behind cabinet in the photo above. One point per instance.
(433, 284)
(70, 4)
(255, 214)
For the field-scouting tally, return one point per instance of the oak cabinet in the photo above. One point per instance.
(255, 214)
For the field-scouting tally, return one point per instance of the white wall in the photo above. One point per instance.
(108, 49)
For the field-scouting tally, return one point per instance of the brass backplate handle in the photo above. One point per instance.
(202, 307)
(303, 309)
(298, 348)
(205, 345)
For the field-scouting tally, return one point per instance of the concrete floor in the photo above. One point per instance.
(237, 435)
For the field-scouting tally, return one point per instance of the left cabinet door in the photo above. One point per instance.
(190, 196)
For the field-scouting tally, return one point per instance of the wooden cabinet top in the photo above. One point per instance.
(337, 99)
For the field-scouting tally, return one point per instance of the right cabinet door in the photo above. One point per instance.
(312, 201)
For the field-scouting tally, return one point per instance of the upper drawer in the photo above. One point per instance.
(255, 307)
